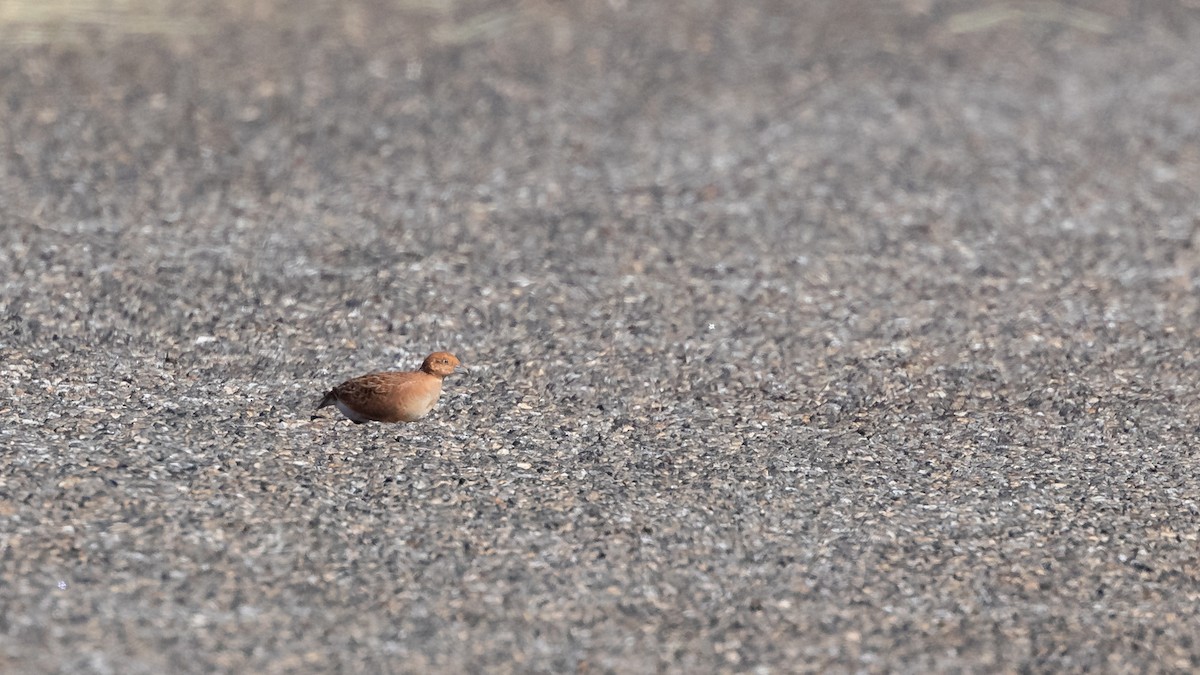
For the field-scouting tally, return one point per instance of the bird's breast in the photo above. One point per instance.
(418, 402)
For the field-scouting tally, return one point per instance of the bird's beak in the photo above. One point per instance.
(461, 368)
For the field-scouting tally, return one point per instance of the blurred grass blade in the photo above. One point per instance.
(1046, 12)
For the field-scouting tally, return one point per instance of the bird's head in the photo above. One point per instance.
(441, 364)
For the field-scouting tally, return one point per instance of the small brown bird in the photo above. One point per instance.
(393, 397)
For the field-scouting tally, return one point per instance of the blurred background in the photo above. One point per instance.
(838, 335)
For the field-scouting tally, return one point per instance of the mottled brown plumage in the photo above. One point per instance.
(393, 396)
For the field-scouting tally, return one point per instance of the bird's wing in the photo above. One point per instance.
(375, 395)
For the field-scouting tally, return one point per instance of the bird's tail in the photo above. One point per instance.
(328, 399)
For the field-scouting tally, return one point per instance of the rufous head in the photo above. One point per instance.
(440, 364)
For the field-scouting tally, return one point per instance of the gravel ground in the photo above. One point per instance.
(804, 336)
